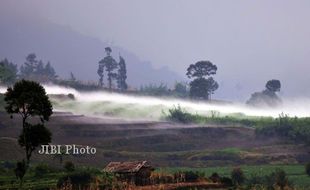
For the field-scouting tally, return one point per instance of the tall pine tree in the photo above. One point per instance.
(122, 75)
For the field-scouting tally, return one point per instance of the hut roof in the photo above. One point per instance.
(126, 167)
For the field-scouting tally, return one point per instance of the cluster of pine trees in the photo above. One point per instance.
(36, 70)
(33, 69)
(113, 70)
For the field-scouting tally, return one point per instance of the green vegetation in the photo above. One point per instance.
(42, 176)
(36, 70)
(155, 90)
(8, 72)
(237, 176)
(69, 166)
(295, 129)
(267, 97)
(29, 99)
(295, 175)
(202, 87)
(307, 167)
(178, 114)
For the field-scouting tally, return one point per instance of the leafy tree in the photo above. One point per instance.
(8, 72)
(273, 85)
(32, 137)
(29, 99)
(267, 97)
(202, 87)
(110, 65)
(201, 69)
(237, 176)
(122, 75)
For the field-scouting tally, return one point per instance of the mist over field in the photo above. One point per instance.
(170, 95)
(250, 42)
(102, 103)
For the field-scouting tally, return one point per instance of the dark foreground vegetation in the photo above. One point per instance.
(43, 176)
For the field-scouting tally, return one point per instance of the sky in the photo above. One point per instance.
(250, 41)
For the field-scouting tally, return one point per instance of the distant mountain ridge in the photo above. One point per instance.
(69, 51)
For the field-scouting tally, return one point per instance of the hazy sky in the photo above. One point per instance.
(249, 41)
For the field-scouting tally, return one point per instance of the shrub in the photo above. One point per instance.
(177, 114)
(277, 178)
(41, 170)
(81, 179)
(308, 169)
(155, 90)
(226, 181)
(237, 176)
(71, 96)
(281, 179)
(215, 178)
(191, 176)
(255, 181)
(69, 166)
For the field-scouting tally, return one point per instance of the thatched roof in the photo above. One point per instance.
(126, 167)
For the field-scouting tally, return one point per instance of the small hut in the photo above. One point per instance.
(137, 172)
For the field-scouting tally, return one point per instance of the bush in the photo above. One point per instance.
(191, 176)
(215, 178)
(81, 179)
(281, 179)
(255, 181)
(41, 170)
(295, 129)
(177, 114)
(237, 176)
(226, 181)
(155, 90)
(69, 166)
(308, 169)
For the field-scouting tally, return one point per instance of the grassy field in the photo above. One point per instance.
(295, 173)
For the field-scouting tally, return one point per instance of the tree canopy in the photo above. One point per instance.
(29, 99)
(267, 97)
(273, 85)
(202, 87)
(108, 64)
(201, 69)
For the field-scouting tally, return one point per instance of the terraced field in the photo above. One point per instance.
(162, 143)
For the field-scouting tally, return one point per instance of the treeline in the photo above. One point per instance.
(34, 69)
(113, 76)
